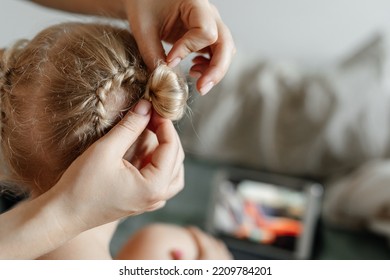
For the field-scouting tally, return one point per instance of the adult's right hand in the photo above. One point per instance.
(191, 26)
(105, 187)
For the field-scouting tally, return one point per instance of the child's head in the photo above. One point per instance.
(66, 88)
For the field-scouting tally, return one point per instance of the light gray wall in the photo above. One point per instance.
(22, 19)
(307, 30)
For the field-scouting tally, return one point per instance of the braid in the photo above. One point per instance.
(2, 70)
(8, 57)
(123, 76)
(68, 87)
(5, 87)
(3, 75)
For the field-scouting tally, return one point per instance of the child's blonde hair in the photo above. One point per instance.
(66, 88)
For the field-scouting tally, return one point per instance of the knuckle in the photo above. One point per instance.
(155, 195)
(156, 206)
(210, 35)
(179, 180)
(182, 155)
(180, 183)
(128, 126)
(96, 152)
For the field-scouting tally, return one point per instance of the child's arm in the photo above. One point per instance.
(93, 244)
(30, 230)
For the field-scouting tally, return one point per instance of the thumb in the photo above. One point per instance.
(125, 133)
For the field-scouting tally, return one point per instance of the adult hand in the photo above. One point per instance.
(191, 26)
(105, 186)
(99, 187)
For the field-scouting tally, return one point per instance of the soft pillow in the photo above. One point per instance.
(325, 123)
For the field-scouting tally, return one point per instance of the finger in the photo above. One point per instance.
(221, 57)
(141, 151)
(174, 188)
(125, 133)
(156, 206)
(197, 70)
(180, 156)
(192, 41)
(200, 59)
(163, 159)
(176, 185)
(202, 32)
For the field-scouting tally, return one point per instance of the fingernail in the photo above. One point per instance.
(143, 107)
(173, 63)
(195, 74)
(177, 254)
(206, 88)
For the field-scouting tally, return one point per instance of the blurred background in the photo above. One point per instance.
(310, 33)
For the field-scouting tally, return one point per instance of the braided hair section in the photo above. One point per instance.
(107, 97)
(69, 86)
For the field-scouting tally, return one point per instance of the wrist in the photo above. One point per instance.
(41, 224)
(58, 215)
(68, 209)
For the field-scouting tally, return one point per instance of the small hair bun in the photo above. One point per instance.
(168, 92)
